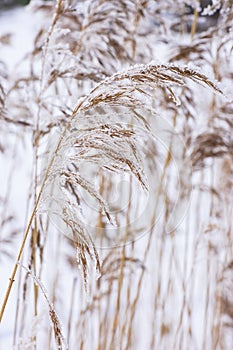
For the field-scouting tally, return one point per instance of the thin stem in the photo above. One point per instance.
(194, 24)
(12, 278)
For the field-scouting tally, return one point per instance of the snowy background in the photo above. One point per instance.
(186, 272)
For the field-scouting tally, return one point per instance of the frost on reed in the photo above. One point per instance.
(129, 176)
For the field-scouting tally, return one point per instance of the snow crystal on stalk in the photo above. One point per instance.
(211, 9)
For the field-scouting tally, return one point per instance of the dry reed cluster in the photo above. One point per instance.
(127, 217)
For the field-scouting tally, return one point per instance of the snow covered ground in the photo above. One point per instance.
(21, 24)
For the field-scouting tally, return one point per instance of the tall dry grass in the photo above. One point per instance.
(127, 215)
